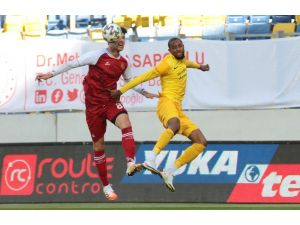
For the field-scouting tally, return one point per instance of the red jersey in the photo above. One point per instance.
(104, 72)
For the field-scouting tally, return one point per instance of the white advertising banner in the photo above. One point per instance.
(243, 74)
(246, 75)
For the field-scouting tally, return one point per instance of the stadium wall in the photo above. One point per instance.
(217, 125)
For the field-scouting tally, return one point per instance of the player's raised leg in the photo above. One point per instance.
(123, 123)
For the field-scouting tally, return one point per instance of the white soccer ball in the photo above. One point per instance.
(111, 32)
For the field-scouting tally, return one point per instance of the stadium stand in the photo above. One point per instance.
(236, 19)
(279, 29)
(258, 29)
(123, 21)
(57, 22)
(258, 26)
(57, 34)
(78, 33)
(213, 32)
(297, 19)
(95, 34)
(236, 28)
(259, 19)
(190, 26)
(167, 26)
(281, 19)
(148, 28)
(98, 21)
(13, 27)
(1, 21)
(34, 27)
(213, 27)
(83, 21)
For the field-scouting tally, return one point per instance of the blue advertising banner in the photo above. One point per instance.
(219, 163)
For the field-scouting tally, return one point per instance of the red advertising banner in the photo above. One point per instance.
(277, 183)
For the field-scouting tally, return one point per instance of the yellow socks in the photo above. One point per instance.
(163, 140)
(189, 154)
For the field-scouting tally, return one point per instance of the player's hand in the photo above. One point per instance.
(43, 76)
(115, 93)
(150, 95)
(204, 67)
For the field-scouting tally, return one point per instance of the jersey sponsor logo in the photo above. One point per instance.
(268, 183)
(123, 66)
(219, 163)
(18, 174)
(106, 64)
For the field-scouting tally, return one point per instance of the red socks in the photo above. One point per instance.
(128, 144)
(100, 161)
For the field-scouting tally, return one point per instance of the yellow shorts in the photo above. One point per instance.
(167, 109)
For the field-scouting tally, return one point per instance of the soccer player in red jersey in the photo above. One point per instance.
(105, 68)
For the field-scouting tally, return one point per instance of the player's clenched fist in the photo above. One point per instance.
(204, 67)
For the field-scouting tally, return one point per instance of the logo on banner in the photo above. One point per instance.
(24, 174)
(18, 174)
(273, 183)
(219, 163)
(57, 96)
(8, 80)
(252, 173)
(82, 96)
(72, 95)
(40, 96)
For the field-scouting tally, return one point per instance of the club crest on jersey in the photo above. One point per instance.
(123, 66)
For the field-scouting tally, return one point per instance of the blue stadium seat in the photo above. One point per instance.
(236, 19)
(236, 28)
(258, 28)
(282, 18)
(259, 19)
(98, 21)
(213, 32)
(82, 21)
(2, 17)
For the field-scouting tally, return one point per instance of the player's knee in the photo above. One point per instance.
(203, 141)
(198, 137)
(98, 146)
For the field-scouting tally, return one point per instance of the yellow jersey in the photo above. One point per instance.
(173, 76)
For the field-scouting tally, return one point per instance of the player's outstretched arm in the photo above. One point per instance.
(44, 76)
(191, 64)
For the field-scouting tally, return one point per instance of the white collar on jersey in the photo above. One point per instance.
(111, 55)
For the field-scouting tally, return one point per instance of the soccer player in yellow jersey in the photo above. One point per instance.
(172, 71)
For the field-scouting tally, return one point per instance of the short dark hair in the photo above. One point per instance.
(171, 40)
(124, 30)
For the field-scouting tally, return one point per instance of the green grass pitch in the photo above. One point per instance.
(148, 206)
